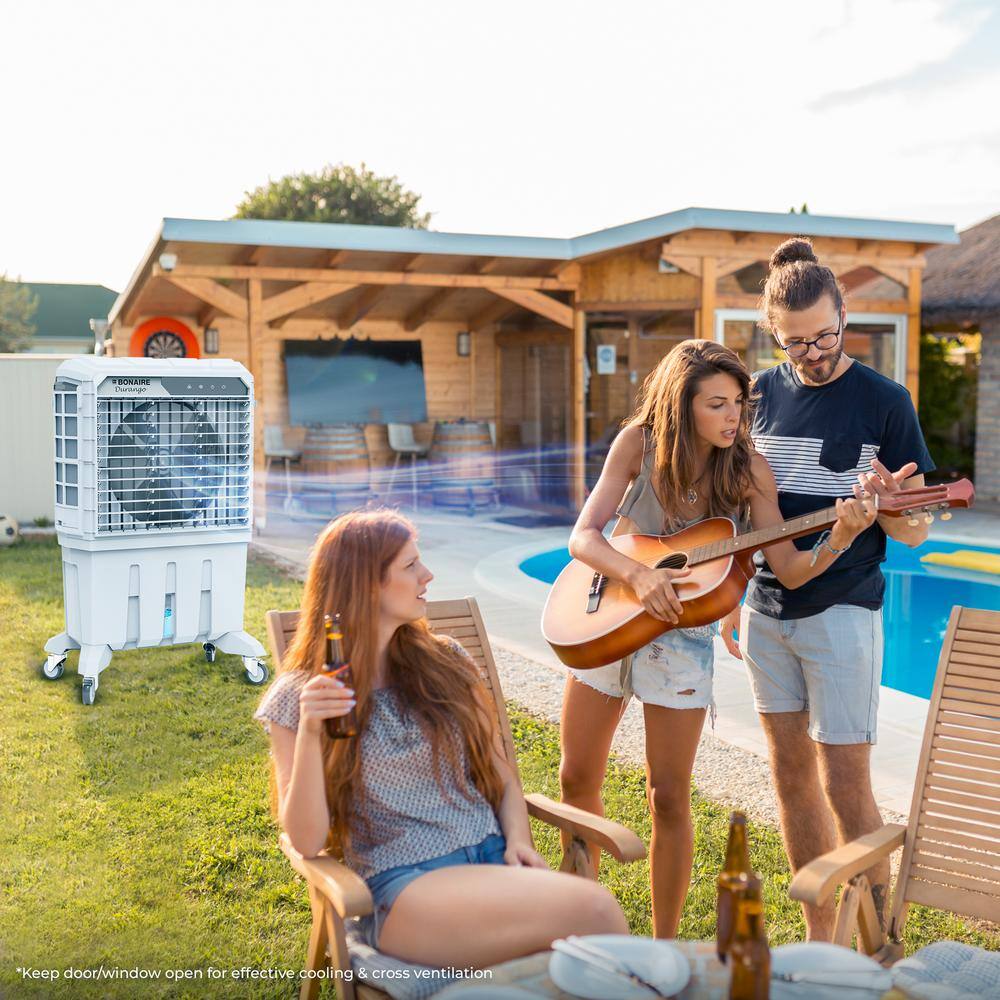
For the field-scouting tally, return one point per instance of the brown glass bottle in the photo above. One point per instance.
(749, 955)
(344, 726)
(731, 883)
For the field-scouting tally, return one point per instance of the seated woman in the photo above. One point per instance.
(421, 804)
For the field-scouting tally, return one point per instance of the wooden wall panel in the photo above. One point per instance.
(633, 277)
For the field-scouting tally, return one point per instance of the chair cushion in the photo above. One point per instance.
(401, 980)
(948, 970)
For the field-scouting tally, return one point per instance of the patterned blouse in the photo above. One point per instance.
(410, 819)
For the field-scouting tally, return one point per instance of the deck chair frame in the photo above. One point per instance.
(337, 894)
(951, 845)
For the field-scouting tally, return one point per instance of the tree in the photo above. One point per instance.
(17, 307)
(947, 406)
(804, 210)
(336, 194)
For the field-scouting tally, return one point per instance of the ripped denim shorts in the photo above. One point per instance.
(674, 670)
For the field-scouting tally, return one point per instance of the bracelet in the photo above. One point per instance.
(824, 542)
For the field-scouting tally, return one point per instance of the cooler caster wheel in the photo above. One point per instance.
(89, 692)
(209, 652)
(54, 667)
(256, 672)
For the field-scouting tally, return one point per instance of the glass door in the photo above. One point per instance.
(876, 339)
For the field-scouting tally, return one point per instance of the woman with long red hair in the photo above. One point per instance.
(421, 804)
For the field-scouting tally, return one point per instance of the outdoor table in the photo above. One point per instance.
(709, 977)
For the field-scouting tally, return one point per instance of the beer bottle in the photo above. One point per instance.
(750, 958)
(731, 883)
(337, 666)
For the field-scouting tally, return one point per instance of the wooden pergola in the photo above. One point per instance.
(260, 282)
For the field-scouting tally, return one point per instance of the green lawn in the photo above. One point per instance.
(136, 833)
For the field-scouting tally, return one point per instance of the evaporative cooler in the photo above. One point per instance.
(154, 468)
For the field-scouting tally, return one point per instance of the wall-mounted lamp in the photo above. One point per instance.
(168, 261)
(464, 344)
(211, 340)
(665, 267)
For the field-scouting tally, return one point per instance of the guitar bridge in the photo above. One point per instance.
(597, 586)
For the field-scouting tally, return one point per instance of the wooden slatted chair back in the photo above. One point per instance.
(459, 619)
(952, 855)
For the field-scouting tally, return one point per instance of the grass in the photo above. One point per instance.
(136, 833)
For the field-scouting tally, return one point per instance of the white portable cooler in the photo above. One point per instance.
(154, 470)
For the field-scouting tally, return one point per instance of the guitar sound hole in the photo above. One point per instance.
(676, 560)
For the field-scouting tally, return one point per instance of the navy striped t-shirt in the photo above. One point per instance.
(817, 439)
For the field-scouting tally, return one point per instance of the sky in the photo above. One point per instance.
(540, 118)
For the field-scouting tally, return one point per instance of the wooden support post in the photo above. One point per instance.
(256, 329)
(578, 451)
(913, 333)
(708, 277)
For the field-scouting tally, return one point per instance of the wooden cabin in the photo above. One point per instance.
(546, 340)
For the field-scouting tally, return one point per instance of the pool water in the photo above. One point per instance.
(918, 603)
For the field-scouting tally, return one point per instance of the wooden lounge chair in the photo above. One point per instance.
(337, 894)
(951, 847)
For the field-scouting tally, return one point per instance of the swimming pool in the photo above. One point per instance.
(918, 603)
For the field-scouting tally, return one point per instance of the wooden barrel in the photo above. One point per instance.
(336, 455)
(462, 464)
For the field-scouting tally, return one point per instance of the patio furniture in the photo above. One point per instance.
(337, 894)
(951, 846)
(403, 443)
(275, 450)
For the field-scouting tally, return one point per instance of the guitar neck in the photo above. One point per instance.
(796, 527)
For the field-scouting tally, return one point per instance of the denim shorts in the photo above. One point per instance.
(675, 671)
(386, 886)
(829, 664)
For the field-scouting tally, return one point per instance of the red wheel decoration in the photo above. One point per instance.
(163, 337)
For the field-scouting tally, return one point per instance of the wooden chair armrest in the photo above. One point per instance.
(347, 892)
(619, 841)
(815, 882)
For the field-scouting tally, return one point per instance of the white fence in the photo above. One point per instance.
(27, 451)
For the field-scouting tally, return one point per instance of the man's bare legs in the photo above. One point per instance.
(806, 822)
(824, 797)
(846, 775)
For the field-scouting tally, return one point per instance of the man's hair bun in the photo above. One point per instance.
(792, 250)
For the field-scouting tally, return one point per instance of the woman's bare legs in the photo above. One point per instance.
(671, 741)
(479, 915)
(588, 724)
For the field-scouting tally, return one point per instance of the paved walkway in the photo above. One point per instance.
(480, 556)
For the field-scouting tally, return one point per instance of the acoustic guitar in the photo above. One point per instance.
(590, 620)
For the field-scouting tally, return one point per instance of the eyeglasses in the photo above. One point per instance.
(824, 342)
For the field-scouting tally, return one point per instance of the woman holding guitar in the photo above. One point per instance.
(685, 455)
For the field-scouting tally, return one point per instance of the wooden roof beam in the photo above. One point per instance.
(300, 297)
(210, 292)
(426, 309)
(493, 313)
(356, 277)
(356, 311)
(537, 302)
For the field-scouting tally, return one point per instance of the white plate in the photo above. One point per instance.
(838, 973)
(659, 962)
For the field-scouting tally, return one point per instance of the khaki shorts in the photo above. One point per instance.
(829, 664)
